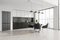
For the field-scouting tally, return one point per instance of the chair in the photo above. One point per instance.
(37, 26)
(45, 26)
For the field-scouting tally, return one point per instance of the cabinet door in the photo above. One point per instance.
(5, 20)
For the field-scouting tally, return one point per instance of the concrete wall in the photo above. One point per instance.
(0, 21)
(55, 20)
(59, 16)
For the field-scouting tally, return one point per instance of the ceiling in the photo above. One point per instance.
(25, 4)
(54, 2)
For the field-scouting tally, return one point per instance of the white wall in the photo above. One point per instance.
(21, 14)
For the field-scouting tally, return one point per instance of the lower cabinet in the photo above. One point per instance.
(17, 25)
(20, 25)
(5, 27)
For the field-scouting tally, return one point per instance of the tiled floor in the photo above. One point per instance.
(29, 34)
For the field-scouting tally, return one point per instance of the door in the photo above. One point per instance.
(5, 20)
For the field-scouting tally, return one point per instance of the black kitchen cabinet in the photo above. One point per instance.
(22, 22)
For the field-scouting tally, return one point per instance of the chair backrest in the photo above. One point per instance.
(45, 26)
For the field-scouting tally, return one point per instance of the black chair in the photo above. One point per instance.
(37, 26)
(45, 26)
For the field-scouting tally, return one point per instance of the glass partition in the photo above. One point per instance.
(46, 17)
